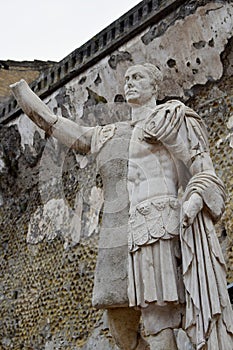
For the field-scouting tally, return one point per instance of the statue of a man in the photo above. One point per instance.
(159, 258)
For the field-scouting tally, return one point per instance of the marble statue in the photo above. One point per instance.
(159, 258)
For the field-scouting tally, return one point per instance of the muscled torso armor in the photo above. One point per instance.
(137, 175)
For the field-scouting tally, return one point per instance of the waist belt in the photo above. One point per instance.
(153, 219)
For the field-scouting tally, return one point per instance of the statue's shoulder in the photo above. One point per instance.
(179, 109)
(101, 135)
(167, 112)
(170, 117)
(170, 104)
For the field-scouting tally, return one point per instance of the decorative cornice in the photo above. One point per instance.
(144, 14)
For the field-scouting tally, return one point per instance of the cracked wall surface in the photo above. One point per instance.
(48, 190)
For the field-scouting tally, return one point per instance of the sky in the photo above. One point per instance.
(52, 29)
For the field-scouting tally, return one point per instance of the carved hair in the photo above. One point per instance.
(154, 72)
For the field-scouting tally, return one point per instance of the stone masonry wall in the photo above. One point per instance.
(51, 197)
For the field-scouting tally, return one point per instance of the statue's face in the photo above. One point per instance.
(138, 86)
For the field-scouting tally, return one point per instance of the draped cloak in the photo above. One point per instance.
(208, 313)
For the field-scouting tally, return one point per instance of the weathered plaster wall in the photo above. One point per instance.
(45, 287)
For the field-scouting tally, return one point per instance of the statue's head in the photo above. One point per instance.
(141, 83)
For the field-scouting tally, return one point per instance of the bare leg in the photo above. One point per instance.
(164, 340)
(124, 327)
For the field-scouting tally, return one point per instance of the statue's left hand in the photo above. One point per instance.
(191, 208)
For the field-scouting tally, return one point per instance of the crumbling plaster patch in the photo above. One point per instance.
(195, 44)
(27, 130)
(56, 218)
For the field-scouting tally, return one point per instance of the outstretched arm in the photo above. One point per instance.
(65, 130)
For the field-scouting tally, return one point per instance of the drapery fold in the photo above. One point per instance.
(208, 309)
